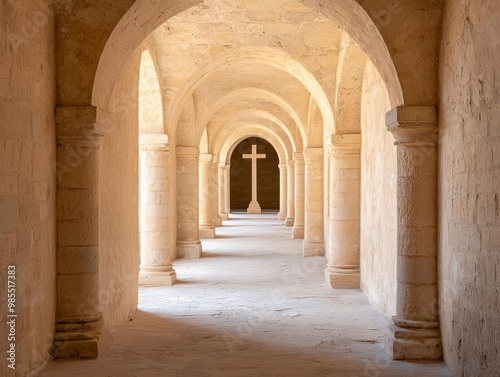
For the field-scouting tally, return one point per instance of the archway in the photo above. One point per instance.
(150, 16)
(268, 182)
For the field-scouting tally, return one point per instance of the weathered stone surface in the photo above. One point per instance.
(469, 185)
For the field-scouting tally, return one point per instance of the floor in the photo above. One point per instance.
(251, 306)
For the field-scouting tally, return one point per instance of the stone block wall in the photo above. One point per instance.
(119, 214)
(469, 188)
(268, 178)
(28, 179)
(378, 197)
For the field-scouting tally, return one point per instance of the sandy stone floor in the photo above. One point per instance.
(252, 306)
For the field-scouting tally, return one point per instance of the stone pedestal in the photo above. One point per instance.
(254, 207)
(298, 225)
(79, 320)
(188, 240)
(156, 222)
(314, 243)
(290, 197)
(344, 152)
(207, 228)
(283, 193)
(415, 333)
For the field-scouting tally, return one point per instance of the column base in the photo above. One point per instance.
(157, 276)
(224, 216)
(78, 340)
(208, 232)
(281, 216)
(289, 221)
(313, 249)
(254, 207)
(338, 278)
(414, 340)
(298, 231)
(189, 249)
(217, 221)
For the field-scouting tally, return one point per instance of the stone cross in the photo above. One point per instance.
(254, 206)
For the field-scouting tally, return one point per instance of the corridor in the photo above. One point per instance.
(251, 306)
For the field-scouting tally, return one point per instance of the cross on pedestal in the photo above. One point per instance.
(254, 206)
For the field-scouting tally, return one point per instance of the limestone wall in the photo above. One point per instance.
(378, 197)
(27, 178)
(119, 221)
(469, 192)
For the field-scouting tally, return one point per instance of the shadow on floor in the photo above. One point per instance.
(154, 346)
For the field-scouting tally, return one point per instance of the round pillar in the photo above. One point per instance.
(415, 333)
(79, 319)
(298, 225)
(345, 177)
(314, 243)
(214, 193)
(157, 224)
(290, 207)
(188, 239)
(224, 215)
(283, 193)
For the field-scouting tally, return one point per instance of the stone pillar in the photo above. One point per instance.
(156, 222)
(290, 207)
(227, 191)
(188, 239)
(345, 178)
(79, 320)
(223, 213)
(415, 334)
(298, 226)
(283, 189)
(207, 228)
(314, 242)
(214, 192)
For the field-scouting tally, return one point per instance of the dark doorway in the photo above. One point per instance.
(268, 179)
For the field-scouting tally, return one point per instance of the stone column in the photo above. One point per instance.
(415, 333)
(345, 178)
(314, 243)
(224, 215)
(290, 207)
(214, 192)
(207, 228)
(283, 189)
(79, 320)
(188, 239)
(227, 191)
(298, 225)
(156, 222)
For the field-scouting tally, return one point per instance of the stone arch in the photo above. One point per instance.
(259, 93)
(229, 144)
(257, 55)
(258, 117)
(359, 22)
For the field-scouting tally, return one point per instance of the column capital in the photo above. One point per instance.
(149, 141)
(77, 126)
(187, 151)
(282, 166)
(298, 157)
(344, 144)
(414, 126)
(290, 162)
